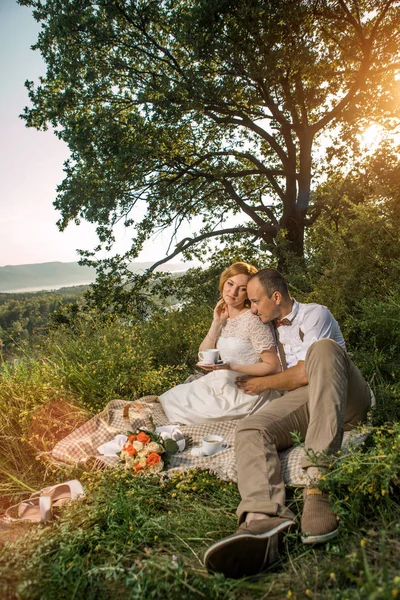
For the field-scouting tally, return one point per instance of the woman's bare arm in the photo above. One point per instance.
(270, 364)
(287, 380)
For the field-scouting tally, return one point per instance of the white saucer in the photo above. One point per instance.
(208, 363)
(198, 451)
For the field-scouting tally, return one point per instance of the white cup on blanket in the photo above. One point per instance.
(211, 444)
(209, 356)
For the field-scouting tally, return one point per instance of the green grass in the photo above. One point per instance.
(145, 538)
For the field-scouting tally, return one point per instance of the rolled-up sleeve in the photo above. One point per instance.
(318, 323)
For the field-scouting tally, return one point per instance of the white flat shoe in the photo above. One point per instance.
(37, 510)
(62, 492)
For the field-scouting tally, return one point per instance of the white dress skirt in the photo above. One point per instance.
(215, 397)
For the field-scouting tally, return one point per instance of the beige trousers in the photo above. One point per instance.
(336, 398)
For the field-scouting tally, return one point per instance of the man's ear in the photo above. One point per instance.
(277, 296)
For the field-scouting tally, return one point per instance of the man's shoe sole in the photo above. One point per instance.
(244, 554)
(320, 539)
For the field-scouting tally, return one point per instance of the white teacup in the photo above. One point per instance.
(212, 443)
(209, 356)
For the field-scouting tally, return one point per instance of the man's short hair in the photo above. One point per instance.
(272, 281)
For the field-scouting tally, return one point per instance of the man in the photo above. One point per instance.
(324, 393)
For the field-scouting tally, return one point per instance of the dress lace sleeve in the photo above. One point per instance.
(261, 334)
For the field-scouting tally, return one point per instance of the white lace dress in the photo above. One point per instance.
(215, 397)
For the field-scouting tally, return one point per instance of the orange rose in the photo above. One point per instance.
(137, 468)
(142, 437)
(152, 459)
(130, 450)
(132, 438)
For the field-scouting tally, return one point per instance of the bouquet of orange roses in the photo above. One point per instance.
(146, 451)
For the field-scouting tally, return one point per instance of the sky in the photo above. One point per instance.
(31, 162)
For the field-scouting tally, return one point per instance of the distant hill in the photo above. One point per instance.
(55, 275)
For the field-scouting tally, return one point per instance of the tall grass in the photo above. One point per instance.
(54, 385)
(145, 537)
(137, 538)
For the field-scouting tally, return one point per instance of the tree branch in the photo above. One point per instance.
(187, 243)
(241, 203)
(245, 121)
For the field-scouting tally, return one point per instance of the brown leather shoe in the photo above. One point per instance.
(318, 522)
(250, 550)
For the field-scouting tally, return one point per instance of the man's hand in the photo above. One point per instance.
(251, 385)
(285, 381)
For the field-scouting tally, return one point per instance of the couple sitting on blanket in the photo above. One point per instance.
(320, 393)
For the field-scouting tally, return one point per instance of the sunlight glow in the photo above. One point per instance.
(371, 137)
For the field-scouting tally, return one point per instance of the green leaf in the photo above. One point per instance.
(171, 447)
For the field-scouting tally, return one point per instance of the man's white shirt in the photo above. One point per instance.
(315, 322)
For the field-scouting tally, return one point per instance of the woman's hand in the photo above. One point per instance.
(221, 366)
(220, 318)
(207, 368)
(221, 313)
(216, 367)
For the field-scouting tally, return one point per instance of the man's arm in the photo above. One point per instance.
(285, 381)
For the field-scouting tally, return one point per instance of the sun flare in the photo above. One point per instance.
(371, 136)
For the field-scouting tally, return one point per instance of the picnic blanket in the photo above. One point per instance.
(120, 416)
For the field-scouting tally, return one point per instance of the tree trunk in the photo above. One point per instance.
(291, 254)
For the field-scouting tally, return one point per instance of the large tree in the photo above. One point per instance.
(210, 108)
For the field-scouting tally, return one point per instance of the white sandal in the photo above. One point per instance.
(61, 492)
(39, 506)
(37, 510)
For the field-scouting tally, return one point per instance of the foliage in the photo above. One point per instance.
(139, 537)
(364, 476)
(208, 109)
(354, 249)
(52, 387)
(22, 315)
(145, 537)
(100, 360)
(36, 412)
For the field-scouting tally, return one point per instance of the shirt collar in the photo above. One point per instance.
(295, 309)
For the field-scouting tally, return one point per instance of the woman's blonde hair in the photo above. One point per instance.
(238, 268)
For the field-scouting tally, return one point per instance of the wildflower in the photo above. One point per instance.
(332, 576)
(174, 562)
(363, 543)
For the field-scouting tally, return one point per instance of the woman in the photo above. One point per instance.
(246, 346)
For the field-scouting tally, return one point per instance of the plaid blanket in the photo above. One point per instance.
(120, 416)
